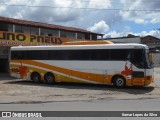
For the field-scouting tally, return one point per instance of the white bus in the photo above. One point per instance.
(117, 64)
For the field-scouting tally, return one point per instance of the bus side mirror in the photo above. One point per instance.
(150, 58)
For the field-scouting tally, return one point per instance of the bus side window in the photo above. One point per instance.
(119, 54)
(128, 57)
(16, 55)
(137, 58)
(44, 55)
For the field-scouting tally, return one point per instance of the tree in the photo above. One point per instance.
(130, 35)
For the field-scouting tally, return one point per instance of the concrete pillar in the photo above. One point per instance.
(13, 28)
(76, 35)
(59, 33)
(39, 31)
(90, 36)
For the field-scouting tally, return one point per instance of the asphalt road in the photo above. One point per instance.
(95, 105)
(107, 99)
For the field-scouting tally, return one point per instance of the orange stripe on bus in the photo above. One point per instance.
(83, 75)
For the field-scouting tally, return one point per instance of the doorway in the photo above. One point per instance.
(4, 65)
(4, 59)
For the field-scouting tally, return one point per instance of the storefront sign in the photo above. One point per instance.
(15, 39)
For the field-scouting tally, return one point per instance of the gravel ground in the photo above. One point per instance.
(21, 91)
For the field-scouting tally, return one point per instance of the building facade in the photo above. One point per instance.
(152, 42)
(15, 32)
(135, 39)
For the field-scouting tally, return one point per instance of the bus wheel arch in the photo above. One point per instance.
(49, 77)
(35, 77)
(118, 81)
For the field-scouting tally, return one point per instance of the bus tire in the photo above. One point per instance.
(36, 77)
(119, 81)
(49, 78)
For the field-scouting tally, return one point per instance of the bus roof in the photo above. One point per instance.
(87, 42)
(74, 47)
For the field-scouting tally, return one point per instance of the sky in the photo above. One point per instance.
(113, 18)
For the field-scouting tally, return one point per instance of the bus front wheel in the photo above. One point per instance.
(36, 77)
(49, 78)
(119, 81)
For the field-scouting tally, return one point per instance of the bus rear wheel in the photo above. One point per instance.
(49, 78)
(36, 77)
(119, 81)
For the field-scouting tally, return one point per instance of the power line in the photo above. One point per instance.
(84, 8)
(93, 1)
(115, 1)
(111, 1)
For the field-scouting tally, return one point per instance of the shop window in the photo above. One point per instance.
(63, 35)
(80, 36)
(55, 32)
(44, 32)
(94, 37)
(18, 28)
(87, 36)
(50, 34)
(3, 26)
(26, 29)
(67, 34)
(10, 27)
(34, 30)
(47, 32)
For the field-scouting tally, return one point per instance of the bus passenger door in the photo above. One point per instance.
(138, 76)
(138, 64)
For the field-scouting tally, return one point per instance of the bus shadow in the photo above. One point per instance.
(131, 90)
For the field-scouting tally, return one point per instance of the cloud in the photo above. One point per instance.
(99, 27)
(155, 20)
(58, 11)
(88, 14)
(114, 34)
(154, 33)
(140, 21)
(135, 14)
(2, 9)
(99, 4)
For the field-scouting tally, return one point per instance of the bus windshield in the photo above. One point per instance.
(148, 61)
(140, 58)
